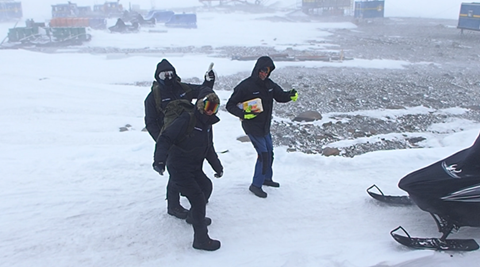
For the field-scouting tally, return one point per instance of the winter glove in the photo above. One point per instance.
(210, 76)
(159, 167)
(293, 95)
(218, 174)
(248, 115)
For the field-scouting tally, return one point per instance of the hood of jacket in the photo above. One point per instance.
(263, 62)
(164, 65)
(204, 94)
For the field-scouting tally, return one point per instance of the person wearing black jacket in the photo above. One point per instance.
(167, 87)
(257, 124)
(186, 153)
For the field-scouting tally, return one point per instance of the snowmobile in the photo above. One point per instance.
(122, 27)
(450, 191)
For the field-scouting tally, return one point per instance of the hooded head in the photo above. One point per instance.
(262, 64)
(208, 101)
(163, 67)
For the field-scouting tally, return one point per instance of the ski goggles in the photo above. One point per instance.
(210, 106)
(165, 75)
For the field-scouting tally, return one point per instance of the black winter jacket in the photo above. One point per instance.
(169, 90)
(253, 87)
(188, 153)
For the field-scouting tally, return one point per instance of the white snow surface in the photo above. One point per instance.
(78, 192)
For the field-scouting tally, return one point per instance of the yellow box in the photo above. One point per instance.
(255, 105)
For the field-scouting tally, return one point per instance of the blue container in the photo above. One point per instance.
(369, 9)
(182, 21)
(469, 18)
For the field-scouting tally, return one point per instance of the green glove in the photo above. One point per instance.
(248, 115)
(293, 95)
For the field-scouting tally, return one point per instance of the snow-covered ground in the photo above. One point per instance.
(76, 191)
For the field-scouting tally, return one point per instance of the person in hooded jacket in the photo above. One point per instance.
(257, 125)
(167, 87)
(183, 154)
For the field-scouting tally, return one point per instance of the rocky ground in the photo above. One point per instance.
(445, 76)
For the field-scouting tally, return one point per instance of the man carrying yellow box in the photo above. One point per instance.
(252, 102)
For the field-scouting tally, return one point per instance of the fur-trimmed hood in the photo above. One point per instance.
(206, 94)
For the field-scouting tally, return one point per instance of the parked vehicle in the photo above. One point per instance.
(123, 27)
(10, 10)
(94, 23)
(65, 10)
(37, 34)
(108, 9)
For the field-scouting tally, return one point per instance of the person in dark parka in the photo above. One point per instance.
(169, 87)
(257, 125)
(186, 154)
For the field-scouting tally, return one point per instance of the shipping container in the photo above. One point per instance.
(94, 23)
(369, 9)
(10, 10)
(469, 18)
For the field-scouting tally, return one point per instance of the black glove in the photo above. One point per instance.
(218, 174)
(159, 167)
(210, 76)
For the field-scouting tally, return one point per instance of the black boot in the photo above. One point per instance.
(271, 183)
(206, 244)
(189, 220)
(257, 191)
(178, 211)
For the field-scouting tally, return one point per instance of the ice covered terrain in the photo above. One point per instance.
(78, 191)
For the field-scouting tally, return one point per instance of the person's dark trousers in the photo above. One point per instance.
(205, 184)
(187, 184)
(173, 195)
(263, 168)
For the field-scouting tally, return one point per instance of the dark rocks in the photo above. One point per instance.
(308, 116)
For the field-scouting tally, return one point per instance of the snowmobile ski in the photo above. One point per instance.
(395, 200)
(434, 243)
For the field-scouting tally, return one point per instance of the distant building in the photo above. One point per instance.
(469, 18)
(327, 7)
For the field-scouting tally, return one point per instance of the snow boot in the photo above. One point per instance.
(179, 212)
(257, 191)
(207, 244)
(271, 183)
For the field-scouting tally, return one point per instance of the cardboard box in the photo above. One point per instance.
(255, 104)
